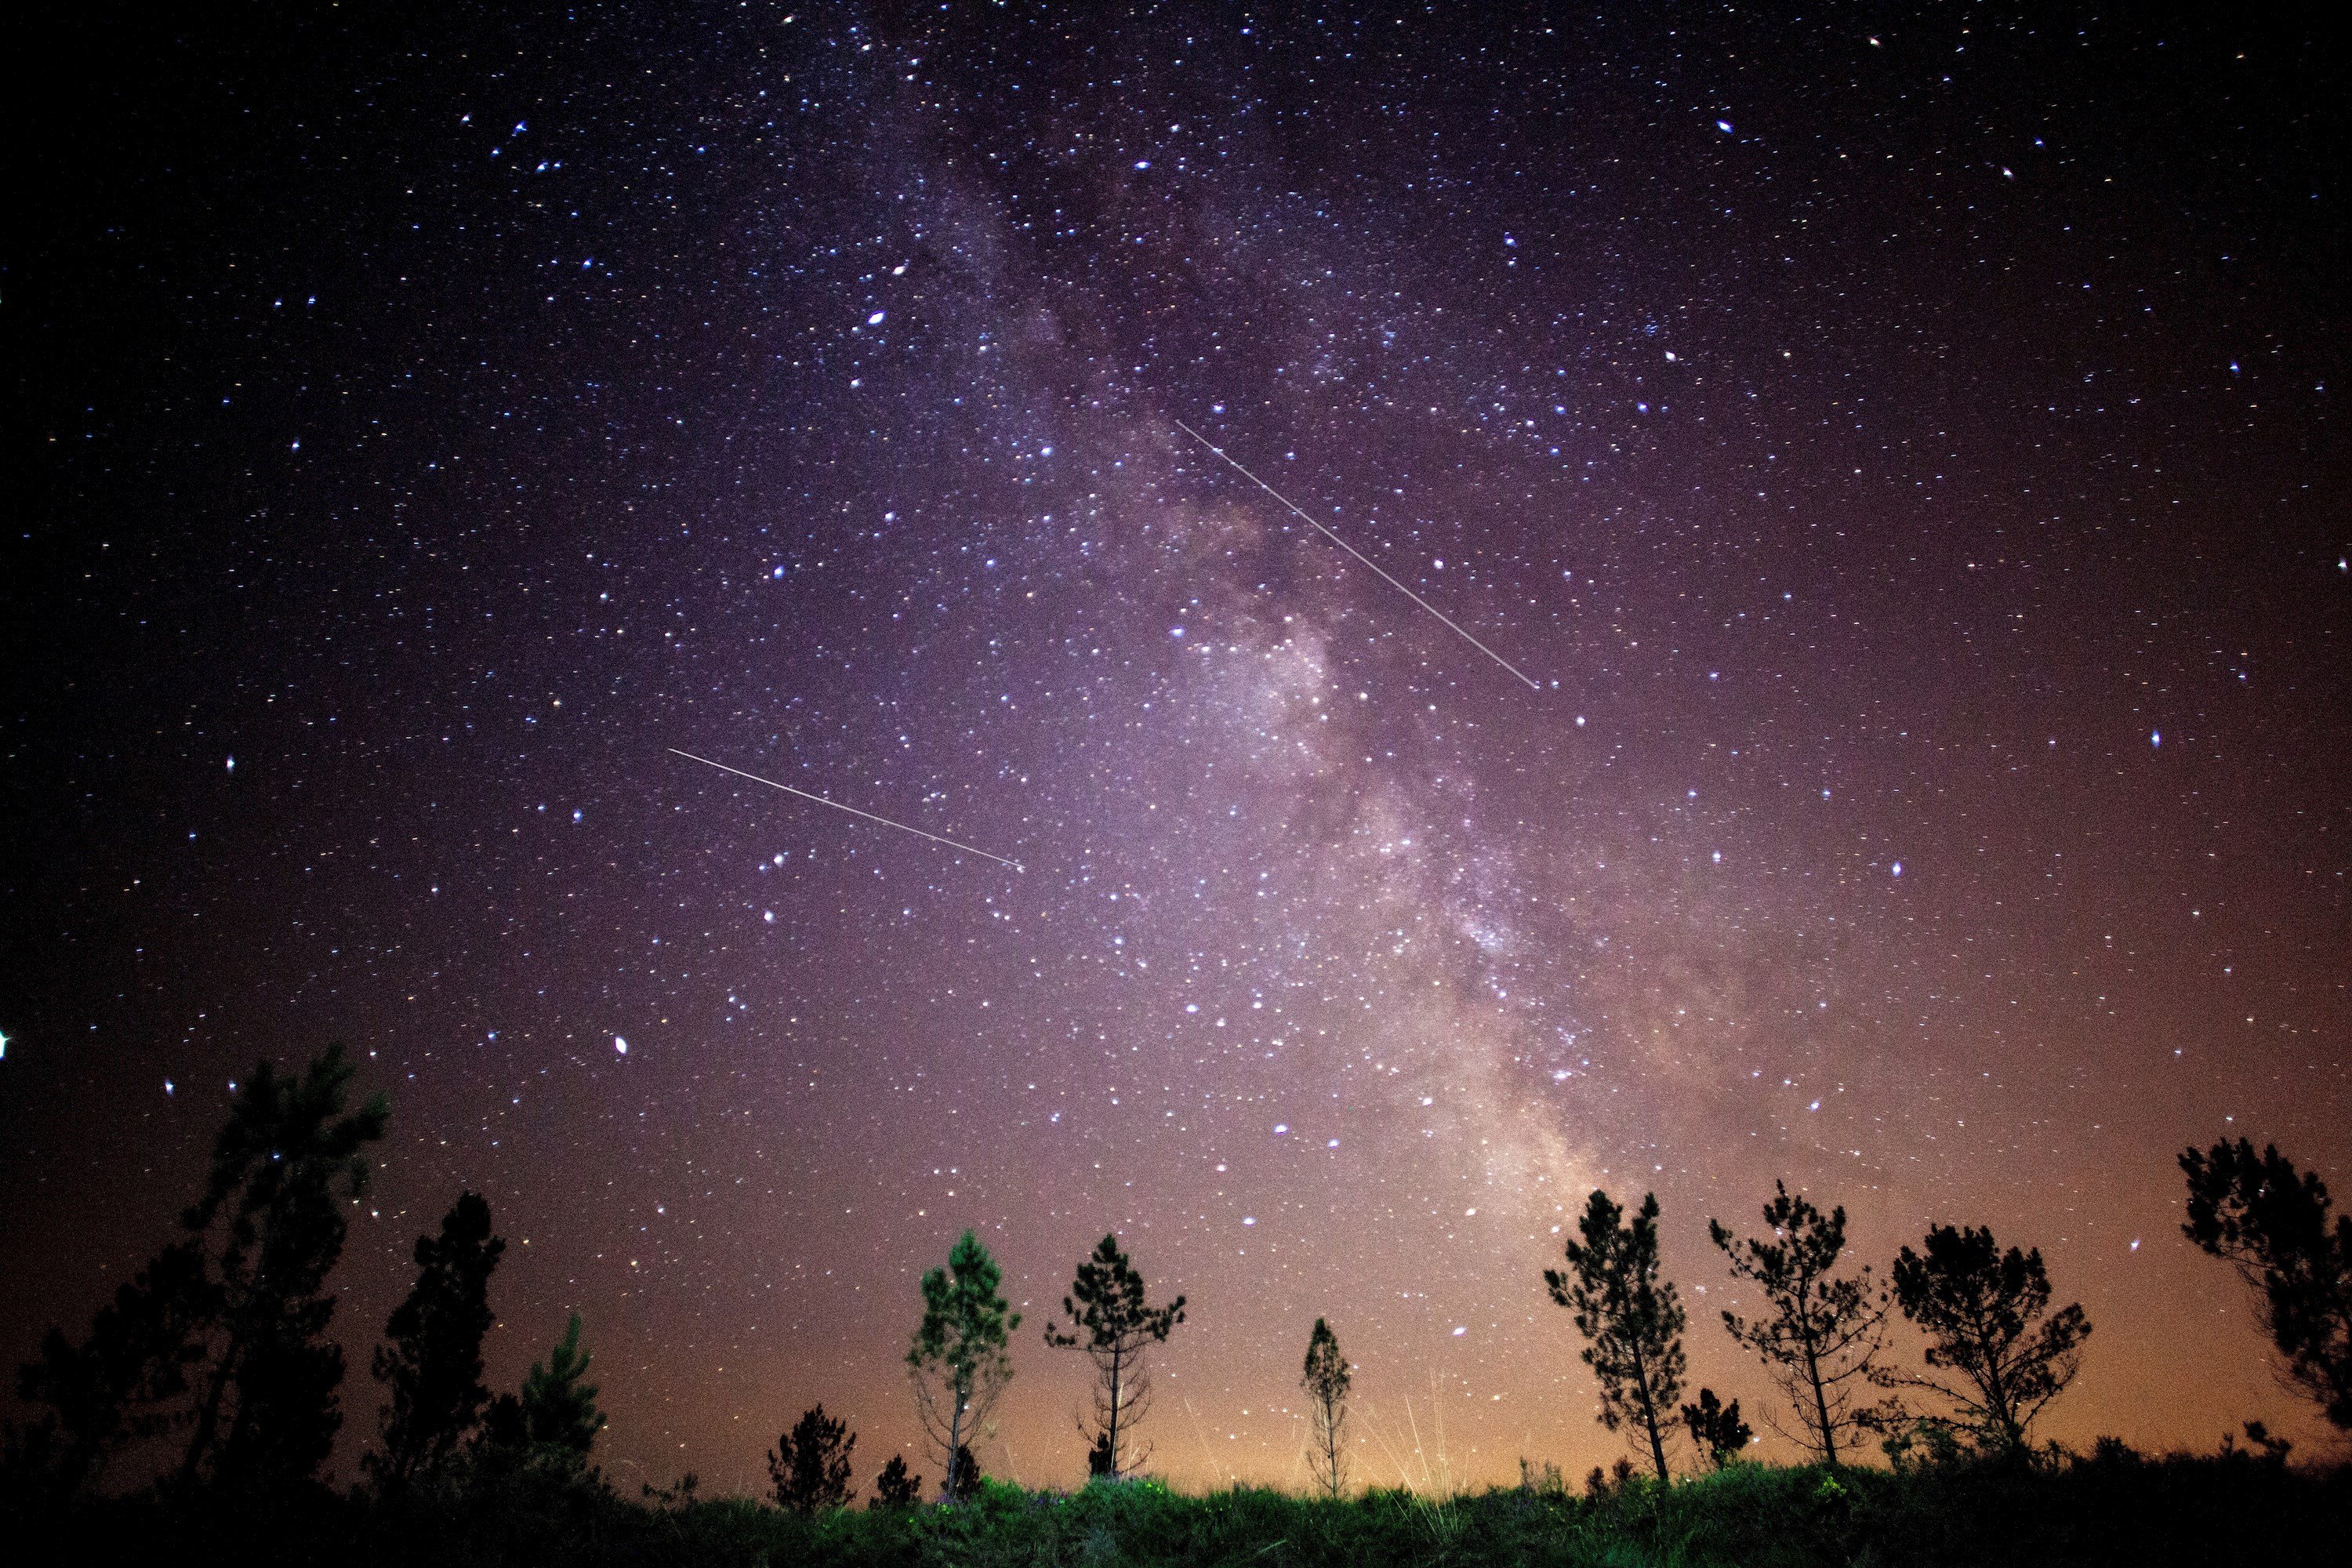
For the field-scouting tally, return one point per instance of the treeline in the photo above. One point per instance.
(1996, 1351)
(213, 1374)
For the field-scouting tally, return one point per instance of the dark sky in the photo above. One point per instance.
(1900, 446)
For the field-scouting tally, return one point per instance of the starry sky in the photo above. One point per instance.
(1898, 446)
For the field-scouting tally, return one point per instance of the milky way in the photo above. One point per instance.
(1897, 446)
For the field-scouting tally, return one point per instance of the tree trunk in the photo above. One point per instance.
(1650, 1416)
(1820, 1405)
(1111, 1431)
(955, 1442)
(209, 1413)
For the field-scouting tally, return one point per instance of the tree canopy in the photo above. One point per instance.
(2270, 1222)
(1113, 1323)
(957, 1361)
(1632, 1318)
(432, 1367)
(1820, 1330)
(1989, 1329)
(1716, 1429)
(896, 1486)
(809, 1466)
(559, 1404)
(222, 1341)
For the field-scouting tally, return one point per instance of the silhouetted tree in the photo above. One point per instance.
(224, 1337)
(558, 1411)
(810, 1464)
(2260, 1446)
(1632, 1319)
(1326, 1383)
(1716, 1429)
(285, 1168)
(126, 1381)
(503, 1433)
(1110, 1320)
(958, 1363)
(1600, 1487)
(432, 1367)
(1823, 1330)
(966, 1470)
(2271, 1222)
(895, 1487)
(1986, 1316)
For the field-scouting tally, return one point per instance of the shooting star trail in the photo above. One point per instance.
(1359, 555)
(836, 805)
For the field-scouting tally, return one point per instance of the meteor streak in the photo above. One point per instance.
(836, 805)
(1352, 550)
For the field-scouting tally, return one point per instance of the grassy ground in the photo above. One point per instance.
(2186, 1510)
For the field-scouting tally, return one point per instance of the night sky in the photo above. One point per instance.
(1900, 446)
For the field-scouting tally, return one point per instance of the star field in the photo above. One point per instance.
(1898, 444)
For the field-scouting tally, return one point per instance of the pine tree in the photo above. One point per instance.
(2271, 1222)
(1716, 1429)
(558, 1411)
(1110, 1320)
(958, 1363)
(126, 1382)
(284, 1169)
(810, 1464)
(1632, 1319)
(1823, 1330)
(432, 1367)
(1988, 1321)
(1325, 1382)
(895, 1487)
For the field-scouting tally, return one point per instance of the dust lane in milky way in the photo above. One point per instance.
(1897, 446)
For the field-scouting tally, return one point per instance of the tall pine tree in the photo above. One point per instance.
(1325, 1382)
(288, 1163)
(957, 1362)
(1111, 1322)
(222, 1341)
(432, 1367)
(1821, 1330)
(1632, 1318)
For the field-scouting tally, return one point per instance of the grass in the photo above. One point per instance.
(2204, 1511)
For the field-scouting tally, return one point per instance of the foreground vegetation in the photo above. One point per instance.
(2115, 1508)
(213, 1383)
